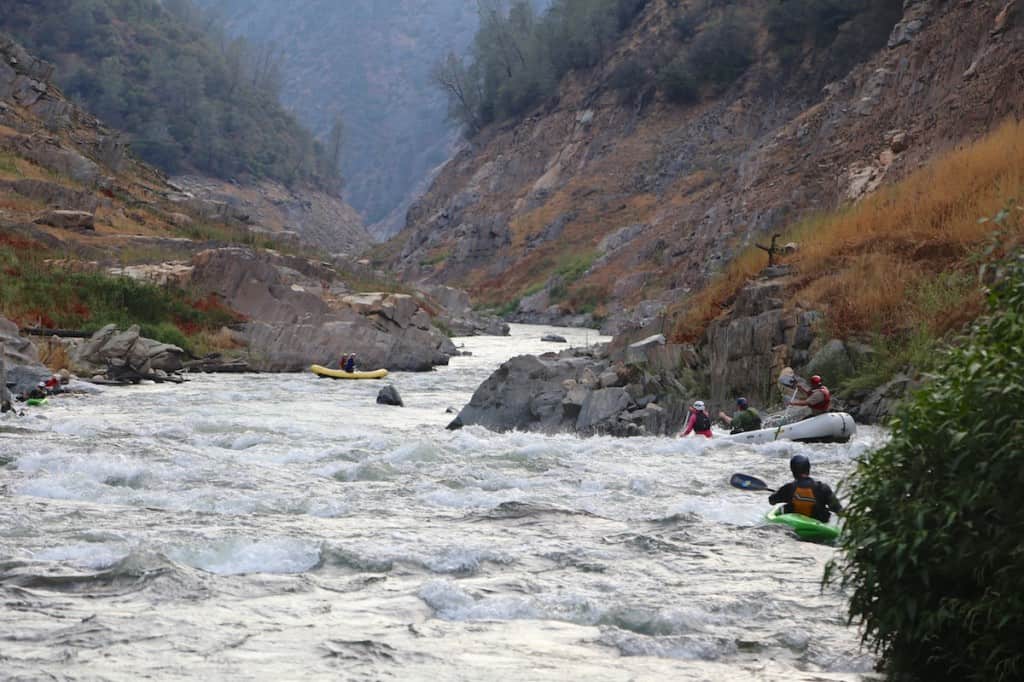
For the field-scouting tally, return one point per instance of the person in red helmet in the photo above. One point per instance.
(817, 397)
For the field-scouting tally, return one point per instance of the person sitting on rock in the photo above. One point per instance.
(818, 397)
(746, 418)
(350, 365)
(699, 421)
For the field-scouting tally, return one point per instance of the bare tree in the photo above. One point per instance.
(451, 75)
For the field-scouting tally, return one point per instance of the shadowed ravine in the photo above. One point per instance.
(276, 526)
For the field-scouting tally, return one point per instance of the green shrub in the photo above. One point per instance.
(678, 83)
(165, 332)
(628, 78)
(723, 52)
(932, 550)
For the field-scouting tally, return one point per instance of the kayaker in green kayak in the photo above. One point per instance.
(746, 418)
(806, 496)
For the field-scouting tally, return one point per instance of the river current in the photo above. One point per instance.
(283, 527)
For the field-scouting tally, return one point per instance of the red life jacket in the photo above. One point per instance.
(823, 406)
(804, 500)
(702, 422)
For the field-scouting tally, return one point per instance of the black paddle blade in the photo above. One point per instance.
(744, 482)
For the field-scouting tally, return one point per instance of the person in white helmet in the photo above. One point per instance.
(699, 421)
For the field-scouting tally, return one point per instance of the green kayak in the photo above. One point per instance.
(805, 527)
(35, 402)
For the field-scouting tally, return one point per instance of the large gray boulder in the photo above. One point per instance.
(21, 361)
(126, 349)
(458, 316)
(833, 362)
(569, 392)
(389, 396)
(601, 406)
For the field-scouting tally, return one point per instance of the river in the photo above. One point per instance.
(278, 527)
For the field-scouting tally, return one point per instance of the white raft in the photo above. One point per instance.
(834, 427)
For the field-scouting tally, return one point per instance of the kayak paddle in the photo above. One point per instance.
(744, 482)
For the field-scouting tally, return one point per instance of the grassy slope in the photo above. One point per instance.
(902, 263)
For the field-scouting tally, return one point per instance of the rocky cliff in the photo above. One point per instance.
(615, 206)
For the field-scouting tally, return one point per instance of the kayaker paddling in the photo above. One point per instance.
(806, 496)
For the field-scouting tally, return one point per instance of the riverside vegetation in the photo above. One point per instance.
(932, 541)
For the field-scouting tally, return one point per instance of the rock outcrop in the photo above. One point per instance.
(21, 362)
(458, 316)
(126, 354)
(300, 313)
(270, 209)
(577, 391)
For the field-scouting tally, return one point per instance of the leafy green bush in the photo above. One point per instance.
(723, 51)
(932, 545)
(628, 77)
(678, 83)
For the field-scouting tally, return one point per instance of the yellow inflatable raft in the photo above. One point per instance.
(341, 374)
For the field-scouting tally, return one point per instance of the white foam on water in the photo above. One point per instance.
(91, 555)
(417, 451)
(470, 498)
(682, 647)
(749, 513)
(239, 555)
(450, 602)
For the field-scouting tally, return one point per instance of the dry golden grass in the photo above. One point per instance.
(53, 354)
(901, 257)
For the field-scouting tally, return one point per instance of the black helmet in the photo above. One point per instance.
(800, 465)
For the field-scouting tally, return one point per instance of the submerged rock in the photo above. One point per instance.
(389, 396)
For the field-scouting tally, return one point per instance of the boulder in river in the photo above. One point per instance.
(21, 361)
(562, 392)
(127, 351)
(389, 396)
(553, 338)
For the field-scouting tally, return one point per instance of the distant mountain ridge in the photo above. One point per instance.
(368, 61)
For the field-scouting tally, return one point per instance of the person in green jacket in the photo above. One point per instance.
(746, 418)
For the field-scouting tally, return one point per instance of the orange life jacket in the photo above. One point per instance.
(804, 499)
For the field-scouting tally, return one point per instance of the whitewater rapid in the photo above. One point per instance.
(281, 527)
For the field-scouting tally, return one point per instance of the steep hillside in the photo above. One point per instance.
(189, 99)
(621, 194)
(368, 62)
(91, 238)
